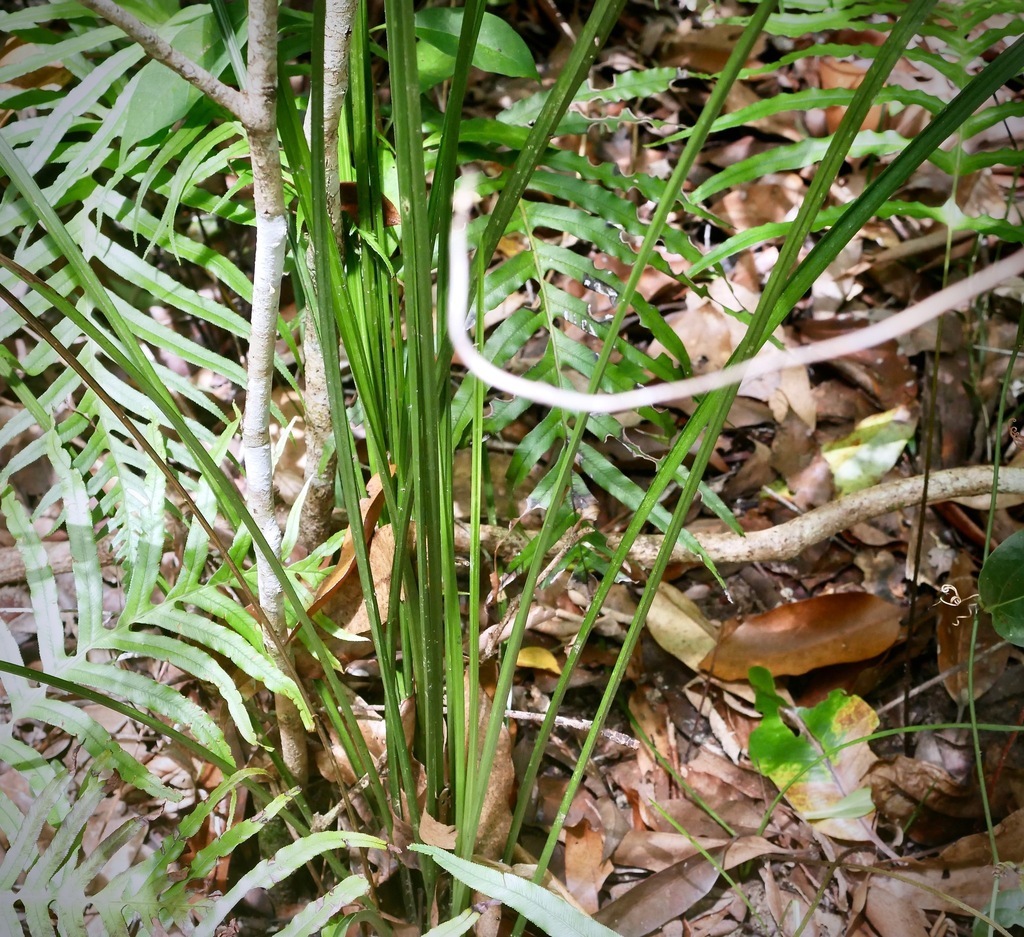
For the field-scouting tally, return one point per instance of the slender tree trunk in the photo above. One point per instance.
(256, 109)
(271, 243)
(319, 474)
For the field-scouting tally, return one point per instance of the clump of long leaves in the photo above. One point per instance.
(126, 215)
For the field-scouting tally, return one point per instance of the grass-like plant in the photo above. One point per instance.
(211, 129)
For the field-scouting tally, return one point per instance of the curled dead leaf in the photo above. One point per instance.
(371, 507)
(350, 205)
(496, 815)
(923, 798)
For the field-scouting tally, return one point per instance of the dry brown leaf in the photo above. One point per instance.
(585, 866)
(883, 371)
(50, 77)
(742, 95)
(976, 849)
(662, 897)
(679, 627)
(496, 815)
(796, 638)
(929, 884)
(650, 710)
(837, 73)
(372, 727)
(350, 205)
(290, 453)
(704, 50)
(656, 850)
(908, 789)
(761, 202)
(371, 507)
(954, 632)
(345, 606)
(891, 914)
(434, 833)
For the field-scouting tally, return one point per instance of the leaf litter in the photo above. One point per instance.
(751, 803)
(836, 852)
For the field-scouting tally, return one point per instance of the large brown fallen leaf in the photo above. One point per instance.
(679, 882)
(657, 850)
(335, 765)
(496, 815)
(662, 897)
(793, 639)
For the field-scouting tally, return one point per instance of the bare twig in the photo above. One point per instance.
(162, 51)
(919, 688)
(58, 558)
(789, 539)
(582, 725)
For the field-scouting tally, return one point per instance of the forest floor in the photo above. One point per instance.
(678, 830)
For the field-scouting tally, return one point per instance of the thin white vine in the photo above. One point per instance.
(917, 315)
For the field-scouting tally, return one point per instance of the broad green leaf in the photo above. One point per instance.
(158, 96)
(432, 65)
(1001, 588)
(815, 765)
(500, 49)
(1008, 911)
(538, 905)
(151, 11)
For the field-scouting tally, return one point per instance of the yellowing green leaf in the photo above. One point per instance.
(872, 449)
(814, 758)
